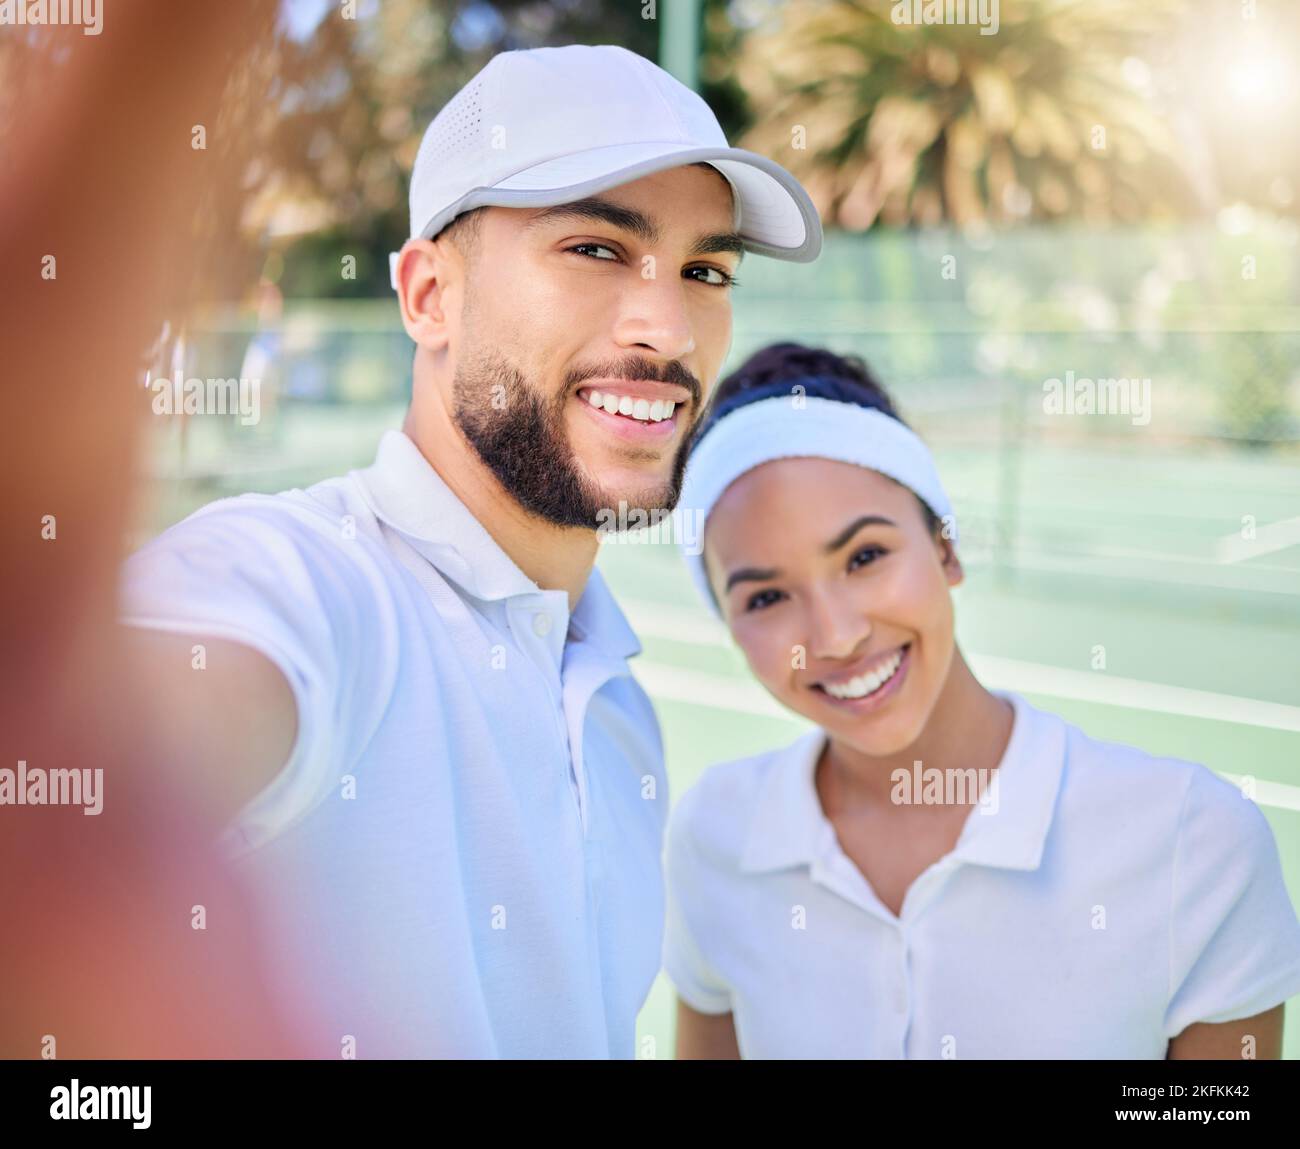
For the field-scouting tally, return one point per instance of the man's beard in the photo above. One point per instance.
(522, 441)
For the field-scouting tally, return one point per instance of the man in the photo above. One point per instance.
(406, 689)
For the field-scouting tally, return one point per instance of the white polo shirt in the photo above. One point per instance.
(462, 856)
(1111, 900)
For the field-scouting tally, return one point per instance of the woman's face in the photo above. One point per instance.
(838, 594)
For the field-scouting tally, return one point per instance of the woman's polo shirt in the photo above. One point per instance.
(1099, 903)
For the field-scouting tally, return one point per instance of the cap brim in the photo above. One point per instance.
(776, 217)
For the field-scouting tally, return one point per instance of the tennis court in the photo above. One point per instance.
(1077, 533)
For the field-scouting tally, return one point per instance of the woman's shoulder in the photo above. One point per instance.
(1112, 761)
(1161, 787)
(715, 814)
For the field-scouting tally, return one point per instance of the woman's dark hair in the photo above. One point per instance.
(778, 369)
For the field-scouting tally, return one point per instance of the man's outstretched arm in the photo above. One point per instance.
(227, 728)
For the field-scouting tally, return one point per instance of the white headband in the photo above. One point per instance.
(790, 426)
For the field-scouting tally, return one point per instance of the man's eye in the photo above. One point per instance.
(594, 247)
(724, 278)
(759, 600)
(721, 278)
(867, 554)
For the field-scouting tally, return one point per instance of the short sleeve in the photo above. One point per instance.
(686, 921)
(1234, 937)
(289, 583)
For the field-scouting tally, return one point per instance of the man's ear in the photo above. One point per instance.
(425, 270)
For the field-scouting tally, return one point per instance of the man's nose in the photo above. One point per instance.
(656, 317)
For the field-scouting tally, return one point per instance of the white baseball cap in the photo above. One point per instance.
(544, 126)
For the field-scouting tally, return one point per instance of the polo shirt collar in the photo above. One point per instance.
(789, 827)
(1013, 834)
(788, 822)
(405, 491)
(600, 621)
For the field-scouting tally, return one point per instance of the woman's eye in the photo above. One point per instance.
(760, 599)
(867, 554)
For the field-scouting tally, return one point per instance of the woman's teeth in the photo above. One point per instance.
(642, 409)
(866, 684)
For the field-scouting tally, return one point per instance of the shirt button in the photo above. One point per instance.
(541, 624)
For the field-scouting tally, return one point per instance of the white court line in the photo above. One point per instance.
(1132, 693)
(1109, 563)
(1268, 538)
(678, 625)
(741, 696)
(1277, 794)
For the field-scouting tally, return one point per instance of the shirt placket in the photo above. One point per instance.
(922, 894)
(539, 623)
(836, 871)
(584, 672)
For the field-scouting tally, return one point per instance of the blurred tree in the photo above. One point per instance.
(346, 103)
(925, 123)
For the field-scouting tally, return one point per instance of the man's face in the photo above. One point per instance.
(622, 297)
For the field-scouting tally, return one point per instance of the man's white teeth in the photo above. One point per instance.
(865, 684)
(642, 409)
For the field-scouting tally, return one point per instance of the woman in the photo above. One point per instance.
(937, 870)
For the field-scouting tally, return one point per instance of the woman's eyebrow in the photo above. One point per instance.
(854, 527)
(763, 574)
(749, 574)
(634, 222)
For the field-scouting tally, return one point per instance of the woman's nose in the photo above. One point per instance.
(837, 627)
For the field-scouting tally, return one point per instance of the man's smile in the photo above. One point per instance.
(639, 411)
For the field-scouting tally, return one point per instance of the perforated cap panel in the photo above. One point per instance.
(452, 142)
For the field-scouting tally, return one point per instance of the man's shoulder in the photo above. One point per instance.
(320, 519)
(302, 553)
(323, 504)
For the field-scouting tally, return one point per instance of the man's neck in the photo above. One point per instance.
(555, 558)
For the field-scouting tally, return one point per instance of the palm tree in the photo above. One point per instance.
(1048, 117)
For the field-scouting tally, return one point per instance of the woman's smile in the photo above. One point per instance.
(867, 691)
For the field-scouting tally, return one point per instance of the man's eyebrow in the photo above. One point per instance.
(635, 222)
(756, 574)
(720, 242)
(602, 211)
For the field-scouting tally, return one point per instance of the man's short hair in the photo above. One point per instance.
(464, 232)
